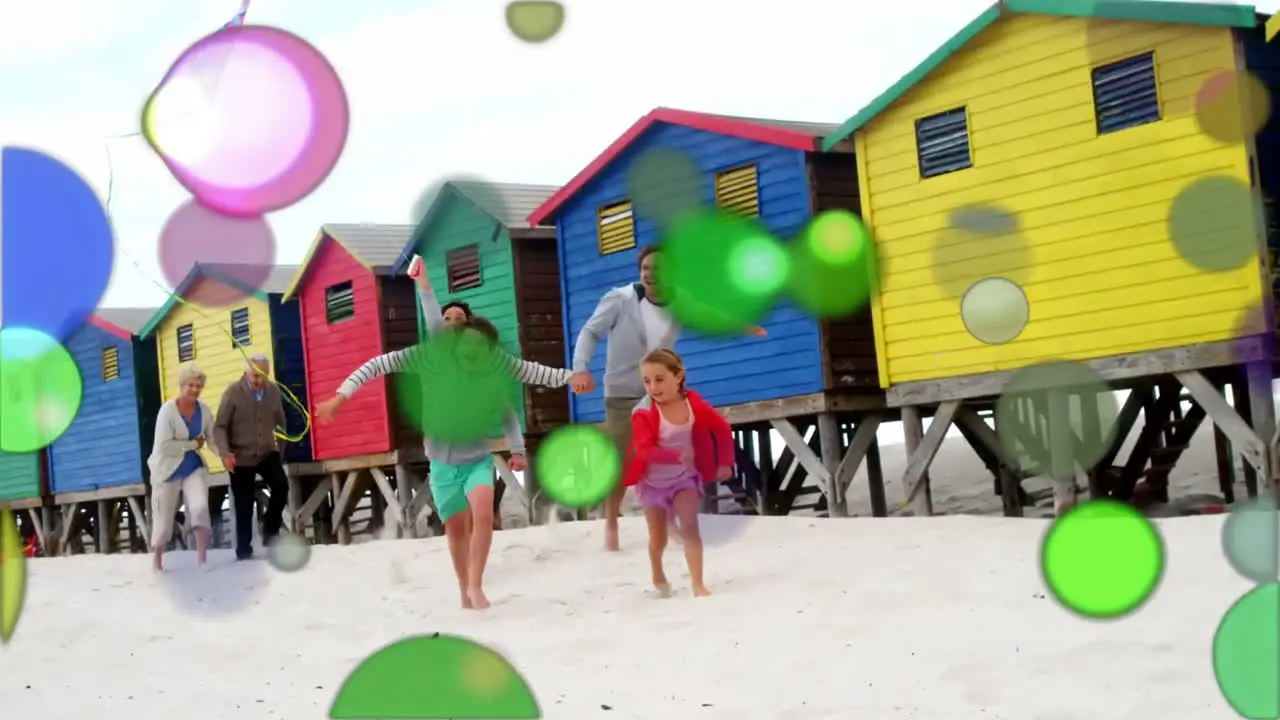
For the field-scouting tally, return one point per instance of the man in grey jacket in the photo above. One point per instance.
(245, 432)
(633, 321)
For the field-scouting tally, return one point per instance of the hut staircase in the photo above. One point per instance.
(1171, 418)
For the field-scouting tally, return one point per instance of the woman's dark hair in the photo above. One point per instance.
(465, 308)
(482, 326)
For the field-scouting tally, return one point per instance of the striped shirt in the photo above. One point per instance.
(406, 360)
(410, 360)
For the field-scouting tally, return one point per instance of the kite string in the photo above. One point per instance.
(284, 391)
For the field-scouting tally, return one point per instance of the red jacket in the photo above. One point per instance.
(712, 441)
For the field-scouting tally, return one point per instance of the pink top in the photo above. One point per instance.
(679, 440)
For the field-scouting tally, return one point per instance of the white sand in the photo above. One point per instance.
(813, 618)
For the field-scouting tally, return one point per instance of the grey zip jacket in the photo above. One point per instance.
(617, 318)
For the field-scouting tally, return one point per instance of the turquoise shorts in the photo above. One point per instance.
(450, 484)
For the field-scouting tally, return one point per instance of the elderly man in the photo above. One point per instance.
(245, 432)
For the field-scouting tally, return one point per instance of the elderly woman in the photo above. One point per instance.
(176, 465)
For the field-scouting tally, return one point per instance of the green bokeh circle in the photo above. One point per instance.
(1250, 537)
(578, 466)
(1102, 559)
(720, 272)
(1246, 653)
(40, 390)
(833, 265)
(458, 388)
(1212, 223)
(1043, 385)
(665, 183)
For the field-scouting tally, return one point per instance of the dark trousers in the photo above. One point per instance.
(242, 490)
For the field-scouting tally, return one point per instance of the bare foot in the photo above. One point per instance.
(466, 601)
(478, 600)
(662, 589)
(611, 538)
(701, 591)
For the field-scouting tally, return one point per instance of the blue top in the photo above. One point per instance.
(191, 459)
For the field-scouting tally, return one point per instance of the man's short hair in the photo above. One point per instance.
(645, 252)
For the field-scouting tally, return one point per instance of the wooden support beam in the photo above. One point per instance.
(864, 437)
(1263, 419)
(1062, 460)
(1008, 474)
(829, 446)
(803, 453)
(70, 513)
(389, 495)
(921, 451)
(140, 517)
(875, 479)
(1245, 440)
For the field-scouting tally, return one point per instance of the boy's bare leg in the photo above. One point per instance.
(458, 530)
(481, 501)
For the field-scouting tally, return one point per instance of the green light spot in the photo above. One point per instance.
(1246, 653)
(578, 466)
(1102, 559)
(1249, 539)
(458, 389)
(717, 271)
(40, 390)
(833, 265)
(759, 265)
(434, 676)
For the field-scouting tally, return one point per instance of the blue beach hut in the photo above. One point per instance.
(103, 454)
(768, 169)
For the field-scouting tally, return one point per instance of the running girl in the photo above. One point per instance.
(461, 475)
(678, 442)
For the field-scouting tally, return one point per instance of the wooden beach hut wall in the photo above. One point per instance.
(768, 169)
(354, 307)
(812, 381)
(104, 450)
(263, 322)
(22, 479)
(1093, 173)
(480, 250)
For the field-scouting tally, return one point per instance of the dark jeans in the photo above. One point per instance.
(242, 490)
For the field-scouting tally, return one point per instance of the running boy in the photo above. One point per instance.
(461, 476)
(678, 442)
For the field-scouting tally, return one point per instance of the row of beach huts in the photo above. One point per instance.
(1081, 122)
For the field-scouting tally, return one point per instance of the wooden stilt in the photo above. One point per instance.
(829, 446)
(875, 479)
(1263, 419)
(1062, 463)
(921, 449)
(1007, 472)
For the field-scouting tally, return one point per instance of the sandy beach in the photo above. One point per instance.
(928, 619)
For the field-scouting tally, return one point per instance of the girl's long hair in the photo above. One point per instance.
(668, 359)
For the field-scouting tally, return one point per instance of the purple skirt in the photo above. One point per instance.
(664, 496)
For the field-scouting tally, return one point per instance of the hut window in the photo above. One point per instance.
(942, 143)
(738, 191)
(186, 343)
(240, 328)
(110, 363)
(1124, 93)
(339, 302)
(462, 266)
(616, 225)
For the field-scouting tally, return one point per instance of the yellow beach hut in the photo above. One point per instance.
(1091, 170)
(260, 323)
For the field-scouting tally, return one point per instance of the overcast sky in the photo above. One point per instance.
(440, 88)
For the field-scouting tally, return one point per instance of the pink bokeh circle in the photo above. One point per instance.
(271, 118)
(237, 254)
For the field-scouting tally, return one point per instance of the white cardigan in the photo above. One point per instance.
(172, 440)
